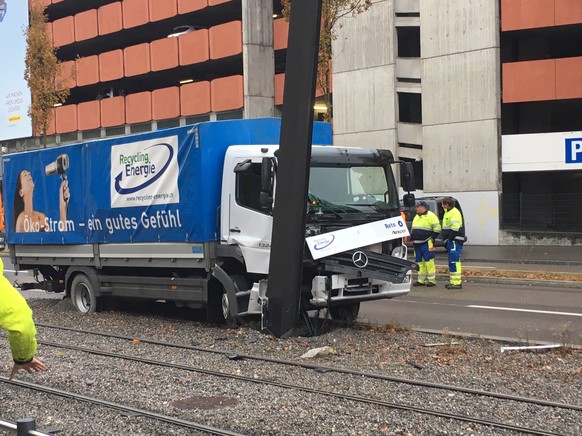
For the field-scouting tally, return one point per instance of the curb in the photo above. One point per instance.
(518, 282)
(526, 261)
(502, 339)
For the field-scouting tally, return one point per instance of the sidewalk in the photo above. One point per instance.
(532, 265)
(536, 254)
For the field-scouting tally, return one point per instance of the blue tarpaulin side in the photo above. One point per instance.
(157, 186)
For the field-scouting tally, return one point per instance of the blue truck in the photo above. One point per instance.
(185, 215)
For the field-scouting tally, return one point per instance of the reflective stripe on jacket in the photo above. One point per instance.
(424, 227)
(16, 319)
(453, 228)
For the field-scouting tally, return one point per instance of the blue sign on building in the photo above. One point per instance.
(574, 150)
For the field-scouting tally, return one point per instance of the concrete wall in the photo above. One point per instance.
(461, 108)
(258, 59)
(460, 87)
(364, 95)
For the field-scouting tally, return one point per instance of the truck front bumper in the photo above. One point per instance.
(343, 289)
(347, 278)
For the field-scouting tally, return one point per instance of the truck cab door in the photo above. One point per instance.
(250, 224)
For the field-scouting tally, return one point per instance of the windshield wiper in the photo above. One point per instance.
(324, 214)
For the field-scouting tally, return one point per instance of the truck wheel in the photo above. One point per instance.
(218, 309)
(83, 295)
(345, 312)
(242, 284)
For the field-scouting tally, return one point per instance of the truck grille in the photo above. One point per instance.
(380, 266)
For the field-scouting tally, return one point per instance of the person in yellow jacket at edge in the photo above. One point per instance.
(16, 319)
(425, 227)
(454, 235)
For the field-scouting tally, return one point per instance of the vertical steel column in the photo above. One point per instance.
(24, 425)
(286, 262)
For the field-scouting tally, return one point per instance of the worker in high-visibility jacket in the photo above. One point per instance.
(454, 235)
(425, 227)
(16, 319)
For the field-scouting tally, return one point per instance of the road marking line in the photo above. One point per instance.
(515, 309)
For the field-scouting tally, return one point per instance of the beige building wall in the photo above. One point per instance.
(459, 72)
(364, 96)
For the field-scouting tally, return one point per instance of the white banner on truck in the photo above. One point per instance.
(331, 243)
(145, 173)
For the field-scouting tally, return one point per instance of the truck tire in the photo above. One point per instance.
(346, 312)
(218, 309)
(83, 295)
(242, 285)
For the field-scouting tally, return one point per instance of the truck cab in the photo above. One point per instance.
(348, 187)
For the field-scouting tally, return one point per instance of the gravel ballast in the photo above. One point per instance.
(259, 409)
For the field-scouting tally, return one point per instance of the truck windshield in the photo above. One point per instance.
(344, 188)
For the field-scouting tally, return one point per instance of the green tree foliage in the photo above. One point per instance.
(43, 72)
(331, 12)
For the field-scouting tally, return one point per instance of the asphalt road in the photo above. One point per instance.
(533, 313)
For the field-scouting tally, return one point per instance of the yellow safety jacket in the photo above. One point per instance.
(453, 227)
(16, 319)
(424, 227)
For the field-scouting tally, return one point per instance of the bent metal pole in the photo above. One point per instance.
(288, 240)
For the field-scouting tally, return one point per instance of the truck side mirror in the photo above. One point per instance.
(407, 177)
(266, 195)
(408, 200)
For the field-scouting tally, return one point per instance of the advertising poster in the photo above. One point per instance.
(118, 190)
(14, 93)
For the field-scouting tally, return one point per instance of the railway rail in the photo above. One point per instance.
(342, 396)
(122, 408)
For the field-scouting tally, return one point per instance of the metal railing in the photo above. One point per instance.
(23, 427)
(541, 212)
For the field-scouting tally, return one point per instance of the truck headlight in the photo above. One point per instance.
(400, 251)
(376, 248)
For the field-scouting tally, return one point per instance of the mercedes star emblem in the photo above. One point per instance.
(360, 259)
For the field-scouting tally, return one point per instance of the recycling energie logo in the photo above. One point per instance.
(145, 173)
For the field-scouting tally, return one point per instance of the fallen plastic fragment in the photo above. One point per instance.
(440, 344)
(531, 347)
(318, 352)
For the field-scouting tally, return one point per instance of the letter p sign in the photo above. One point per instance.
(574, 150)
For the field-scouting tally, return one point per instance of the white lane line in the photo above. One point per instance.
(515, 309)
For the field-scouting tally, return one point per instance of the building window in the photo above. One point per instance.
(410, 107)
(167, 124)
(408, 41)
(233, 115)
(541, 117)
(140, 128)
(541, 201)
(91, 134)
(197, 119)
(69, 137)
(115, 131)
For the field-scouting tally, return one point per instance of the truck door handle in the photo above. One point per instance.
(235, 230)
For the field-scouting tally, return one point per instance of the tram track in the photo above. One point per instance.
(312, 390)
(324, 368)
(122, 408)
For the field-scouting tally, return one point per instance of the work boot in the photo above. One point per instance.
(431, 284)
(417, 283)
(451, 286)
